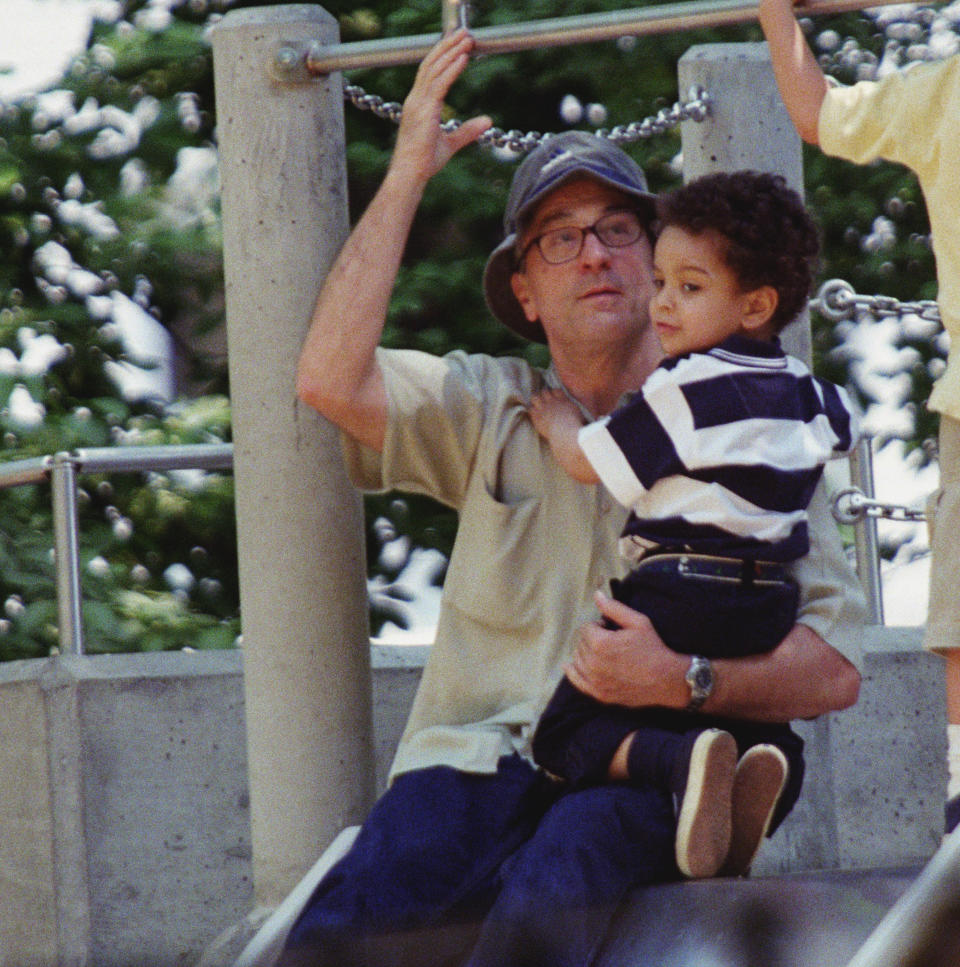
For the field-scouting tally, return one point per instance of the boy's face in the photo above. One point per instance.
(698, 301)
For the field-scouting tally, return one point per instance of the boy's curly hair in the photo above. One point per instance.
(770, 237)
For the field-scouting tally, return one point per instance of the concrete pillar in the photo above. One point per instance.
(302, 574)
(748, 127)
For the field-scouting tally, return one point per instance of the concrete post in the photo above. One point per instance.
(302, 575)
(748, 127)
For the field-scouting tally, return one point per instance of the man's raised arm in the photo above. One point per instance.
(338, 374)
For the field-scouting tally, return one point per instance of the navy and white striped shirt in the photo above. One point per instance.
(721, 450)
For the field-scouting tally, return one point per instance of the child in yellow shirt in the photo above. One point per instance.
(911, 117)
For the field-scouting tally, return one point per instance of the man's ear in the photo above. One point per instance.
(521, 289)
(759, 305)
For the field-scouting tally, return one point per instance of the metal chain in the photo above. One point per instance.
(852, 505)
(697, 108)
(836, 300)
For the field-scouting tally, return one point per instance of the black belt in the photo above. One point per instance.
(710, 566)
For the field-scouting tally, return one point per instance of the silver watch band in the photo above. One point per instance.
(700, 679)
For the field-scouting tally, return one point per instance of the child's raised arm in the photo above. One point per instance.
(558, 421)
(801, 81)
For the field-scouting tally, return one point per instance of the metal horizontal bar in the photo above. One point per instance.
(912, 931)
(558, 31)
(30, 471)
(200, 456)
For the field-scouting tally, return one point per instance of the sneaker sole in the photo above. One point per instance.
(759, 781)
(705, 822)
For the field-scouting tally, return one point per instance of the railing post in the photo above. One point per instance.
(454, 14)
(299, 521)
(66, 544)
(866, 542)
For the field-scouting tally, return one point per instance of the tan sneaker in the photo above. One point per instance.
(704, 820)
(760, 777)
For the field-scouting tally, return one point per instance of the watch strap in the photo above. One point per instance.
(700, 679)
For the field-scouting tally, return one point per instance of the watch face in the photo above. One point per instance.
(703, 676)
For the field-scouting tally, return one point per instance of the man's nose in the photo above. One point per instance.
(593, 250)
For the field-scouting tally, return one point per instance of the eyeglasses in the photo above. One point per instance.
(559, 245)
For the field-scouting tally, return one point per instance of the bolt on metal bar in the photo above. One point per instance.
(553, 32)
(866, 542)
(66, 546)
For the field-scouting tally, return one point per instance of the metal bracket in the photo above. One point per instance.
(455, 14)
(289, 64)
(852, 505)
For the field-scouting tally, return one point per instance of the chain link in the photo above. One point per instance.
(697, 108)
(836, 300)
(852, 505)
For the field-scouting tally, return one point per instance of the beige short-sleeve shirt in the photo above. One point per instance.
(531, 548)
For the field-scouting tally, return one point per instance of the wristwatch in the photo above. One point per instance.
(700, 679)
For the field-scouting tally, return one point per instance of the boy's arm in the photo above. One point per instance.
(802, 83)
(558, 421)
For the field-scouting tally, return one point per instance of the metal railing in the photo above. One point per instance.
(857, 505)
(865, 540)
(316, 59)
(924, 923)
(62, 470)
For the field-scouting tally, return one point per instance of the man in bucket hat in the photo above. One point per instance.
(575, 154)
(473, 856)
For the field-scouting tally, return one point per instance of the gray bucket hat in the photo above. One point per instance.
(550, 164)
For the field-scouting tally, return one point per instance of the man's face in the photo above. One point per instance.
(601, 294)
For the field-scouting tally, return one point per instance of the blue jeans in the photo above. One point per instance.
(503, 870)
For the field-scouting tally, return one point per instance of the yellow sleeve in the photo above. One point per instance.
(898, 118)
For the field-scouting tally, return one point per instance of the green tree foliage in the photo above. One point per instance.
(109, 217)
(108, 199)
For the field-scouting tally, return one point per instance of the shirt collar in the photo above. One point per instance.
(552, 378)
(745, 346)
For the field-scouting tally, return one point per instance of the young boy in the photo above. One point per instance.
(717, 457)
(911, 117)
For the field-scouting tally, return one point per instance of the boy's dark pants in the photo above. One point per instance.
(698, 605)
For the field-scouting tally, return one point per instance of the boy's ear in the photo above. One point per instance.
(759, 305)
